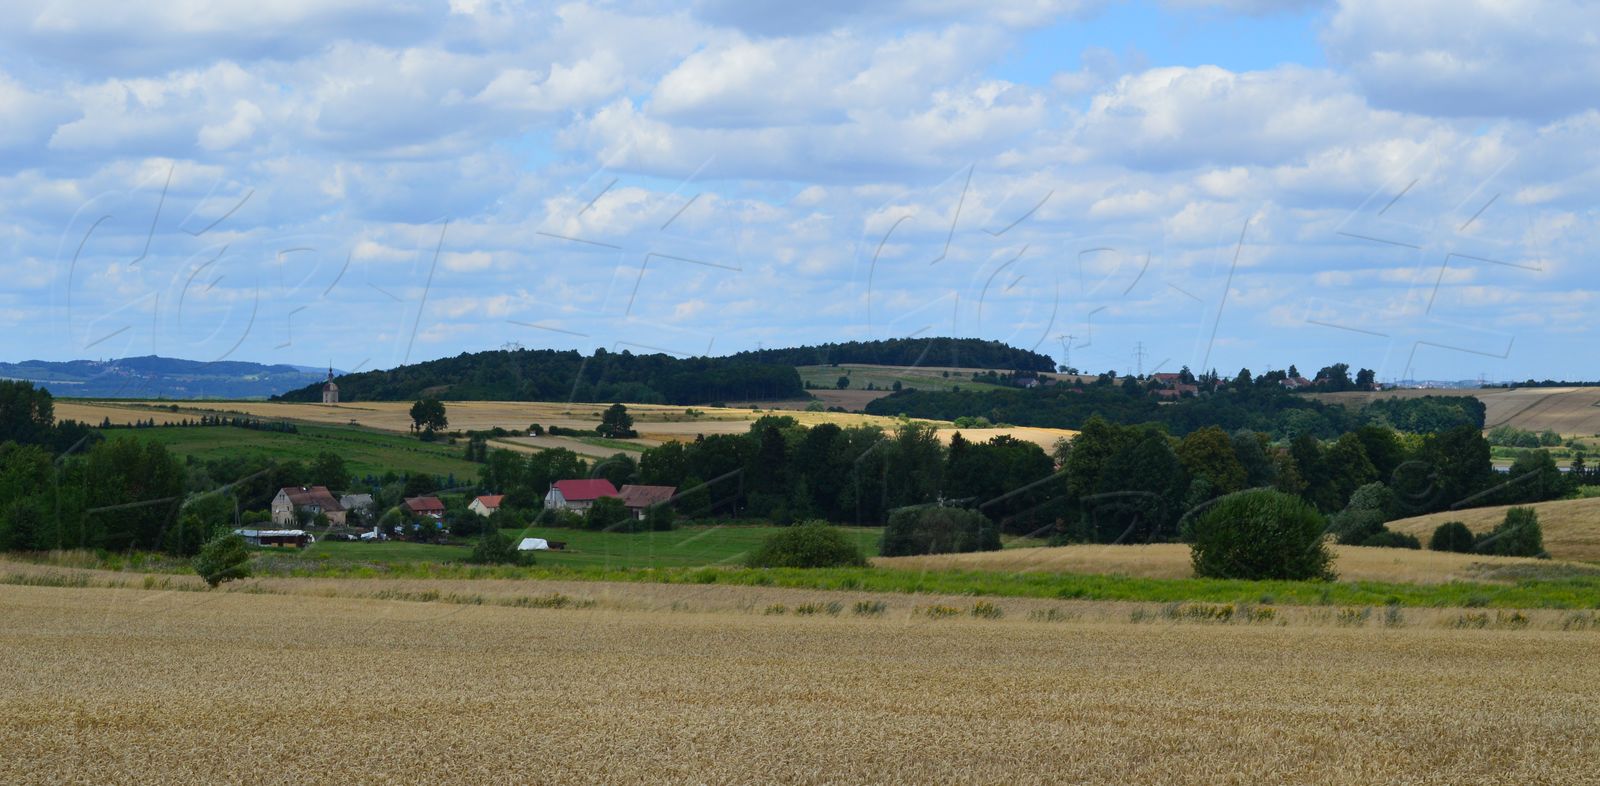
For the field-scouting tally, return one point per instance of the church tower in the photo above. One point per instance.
(330, 391)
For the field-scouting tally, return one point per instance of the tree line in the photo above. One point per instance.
(1112, 483)
(1244, 403)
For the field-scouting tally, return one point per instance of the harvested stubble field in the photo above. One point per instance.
(137, 686)
(1172, 561)
(1571, 411)
(655, 423)
(1571, 527)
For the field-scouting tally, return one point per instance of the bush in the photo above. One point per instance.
(1518, 535)
(660, 518)
(1261, 534)
(1452, 536)
(813, 544)
(224, 558)
(494, 548)
(1355, 527)
(936, 530)
(608, 513)
(1392, 540)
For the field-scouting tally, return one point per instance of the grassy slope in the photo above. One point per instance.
(884, 377)
(364, 451)
(1571, 526)
(684, 547)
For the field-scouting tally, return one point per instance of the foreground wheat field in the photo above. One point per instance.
(1172, 561)
(141, 686)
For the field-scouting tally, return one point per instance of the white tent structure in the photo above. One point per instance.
(533, 544)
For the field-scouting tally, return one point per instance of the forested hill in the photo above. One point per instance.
(551, 375)
(935, 351)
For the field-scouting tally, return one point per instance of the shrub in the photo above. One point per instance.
(1392, 540)
(1451, 536)
(1356, 527)
(1518, 535)
(1260, 534)
(813, 544)
(936, 530)
(494, 548)
(660, 518)
(223, 558)
(608, 513)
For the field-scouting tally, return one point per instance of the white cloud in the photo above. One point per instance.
(1474, 58)
(1179, 117)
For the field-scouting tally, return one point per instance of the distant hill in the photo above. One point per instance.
(923, 352)
(152, 376)
(550, 375)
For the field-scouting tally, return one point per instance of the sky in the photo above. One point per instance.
(1132, 186)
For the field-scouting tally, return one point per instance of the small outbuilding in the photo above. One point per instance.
(290, 538)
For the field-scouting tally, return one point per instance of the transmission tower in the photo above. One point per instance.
(1138, 355)
(1066, 349)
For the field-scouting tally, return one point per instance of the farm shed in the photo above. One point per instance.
(292, 538)
(640, 499)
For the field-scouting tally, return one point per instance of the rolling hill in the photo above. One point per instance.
(1569, 411)
(1571, 526)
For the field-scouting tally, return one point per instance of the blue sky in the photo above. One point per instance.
(1409, 187)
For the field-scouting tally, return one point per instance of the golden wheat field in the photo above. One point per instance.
(1571, 526)
(655, 423)
(1171, 561)
(140, 686)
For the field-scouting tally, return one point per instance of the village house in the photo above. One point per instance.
(425, 506)
(292, 501)
(640, 499)
(577, 495)
(486, 505)
(356, 502)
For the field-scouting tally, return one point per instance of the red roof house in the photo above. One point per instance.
(487, 504)
(425, 506)
(578, 494)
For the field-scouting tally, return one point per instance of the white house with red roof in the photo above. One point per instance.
(486, 504)
(577, 495)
